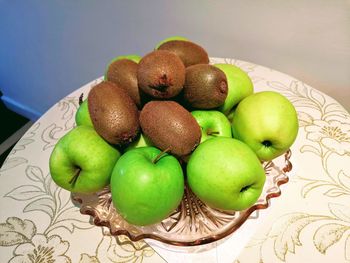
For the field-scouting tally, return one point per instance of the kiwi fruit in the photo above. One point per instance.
(123, 72)
(190, 53)
(113, 113)
(170, 39)
(169, 126)
(205, 86)
(161, 74)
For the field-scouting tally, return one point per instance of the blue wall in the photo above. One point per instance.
(50, 48)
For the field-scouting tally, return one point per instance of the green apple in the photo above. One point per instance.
(141, 141)
(170, 39)
(267, 122)
(133, 57)
(213, 124)
(82, 116)
(239, 86)
(146, 185)
(225, 174)
(82, 161)
(231, 114)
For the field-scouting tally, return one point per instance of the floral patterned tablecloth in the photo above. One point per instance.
(309, 222)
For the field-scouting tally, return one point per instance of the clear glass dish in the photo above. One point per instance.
(193, 222)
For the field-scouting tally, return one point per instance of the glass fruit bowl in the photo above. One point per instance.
(193, 222)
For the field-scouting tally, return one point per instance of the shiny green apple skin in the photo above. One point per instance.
(170, 39)
(144, 192)
(213, 124)
(82, 151)
(239, 86)
(225, 174)
(82, 116)
(267, 122)
(133, 57)
(141, 141)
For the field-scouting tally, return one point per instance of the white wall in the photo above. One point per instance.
(50, 48)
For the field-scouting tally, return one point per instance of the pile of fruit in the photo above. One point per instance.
(170, 118)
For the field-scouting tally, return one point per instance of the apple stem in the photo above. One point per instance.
(212, 132)
(73, 180)
(160, 155)
(267, 143)
(81, 98)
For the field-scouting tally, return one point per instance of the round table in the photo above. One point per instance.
(309, 222)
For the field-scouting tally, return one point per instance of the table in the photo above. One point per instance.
(309, 222)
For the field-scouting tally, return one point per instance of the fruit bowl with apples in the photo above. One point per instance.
(172, 147)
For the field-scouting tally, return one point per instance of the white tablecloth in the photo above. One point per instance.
(309, 222)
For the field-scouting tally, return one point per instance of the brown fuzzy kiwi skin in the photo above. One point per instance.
(205, 86)
(189, 52)
(161, 74)
(113, 113)
(170, 126)
(123, 72)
